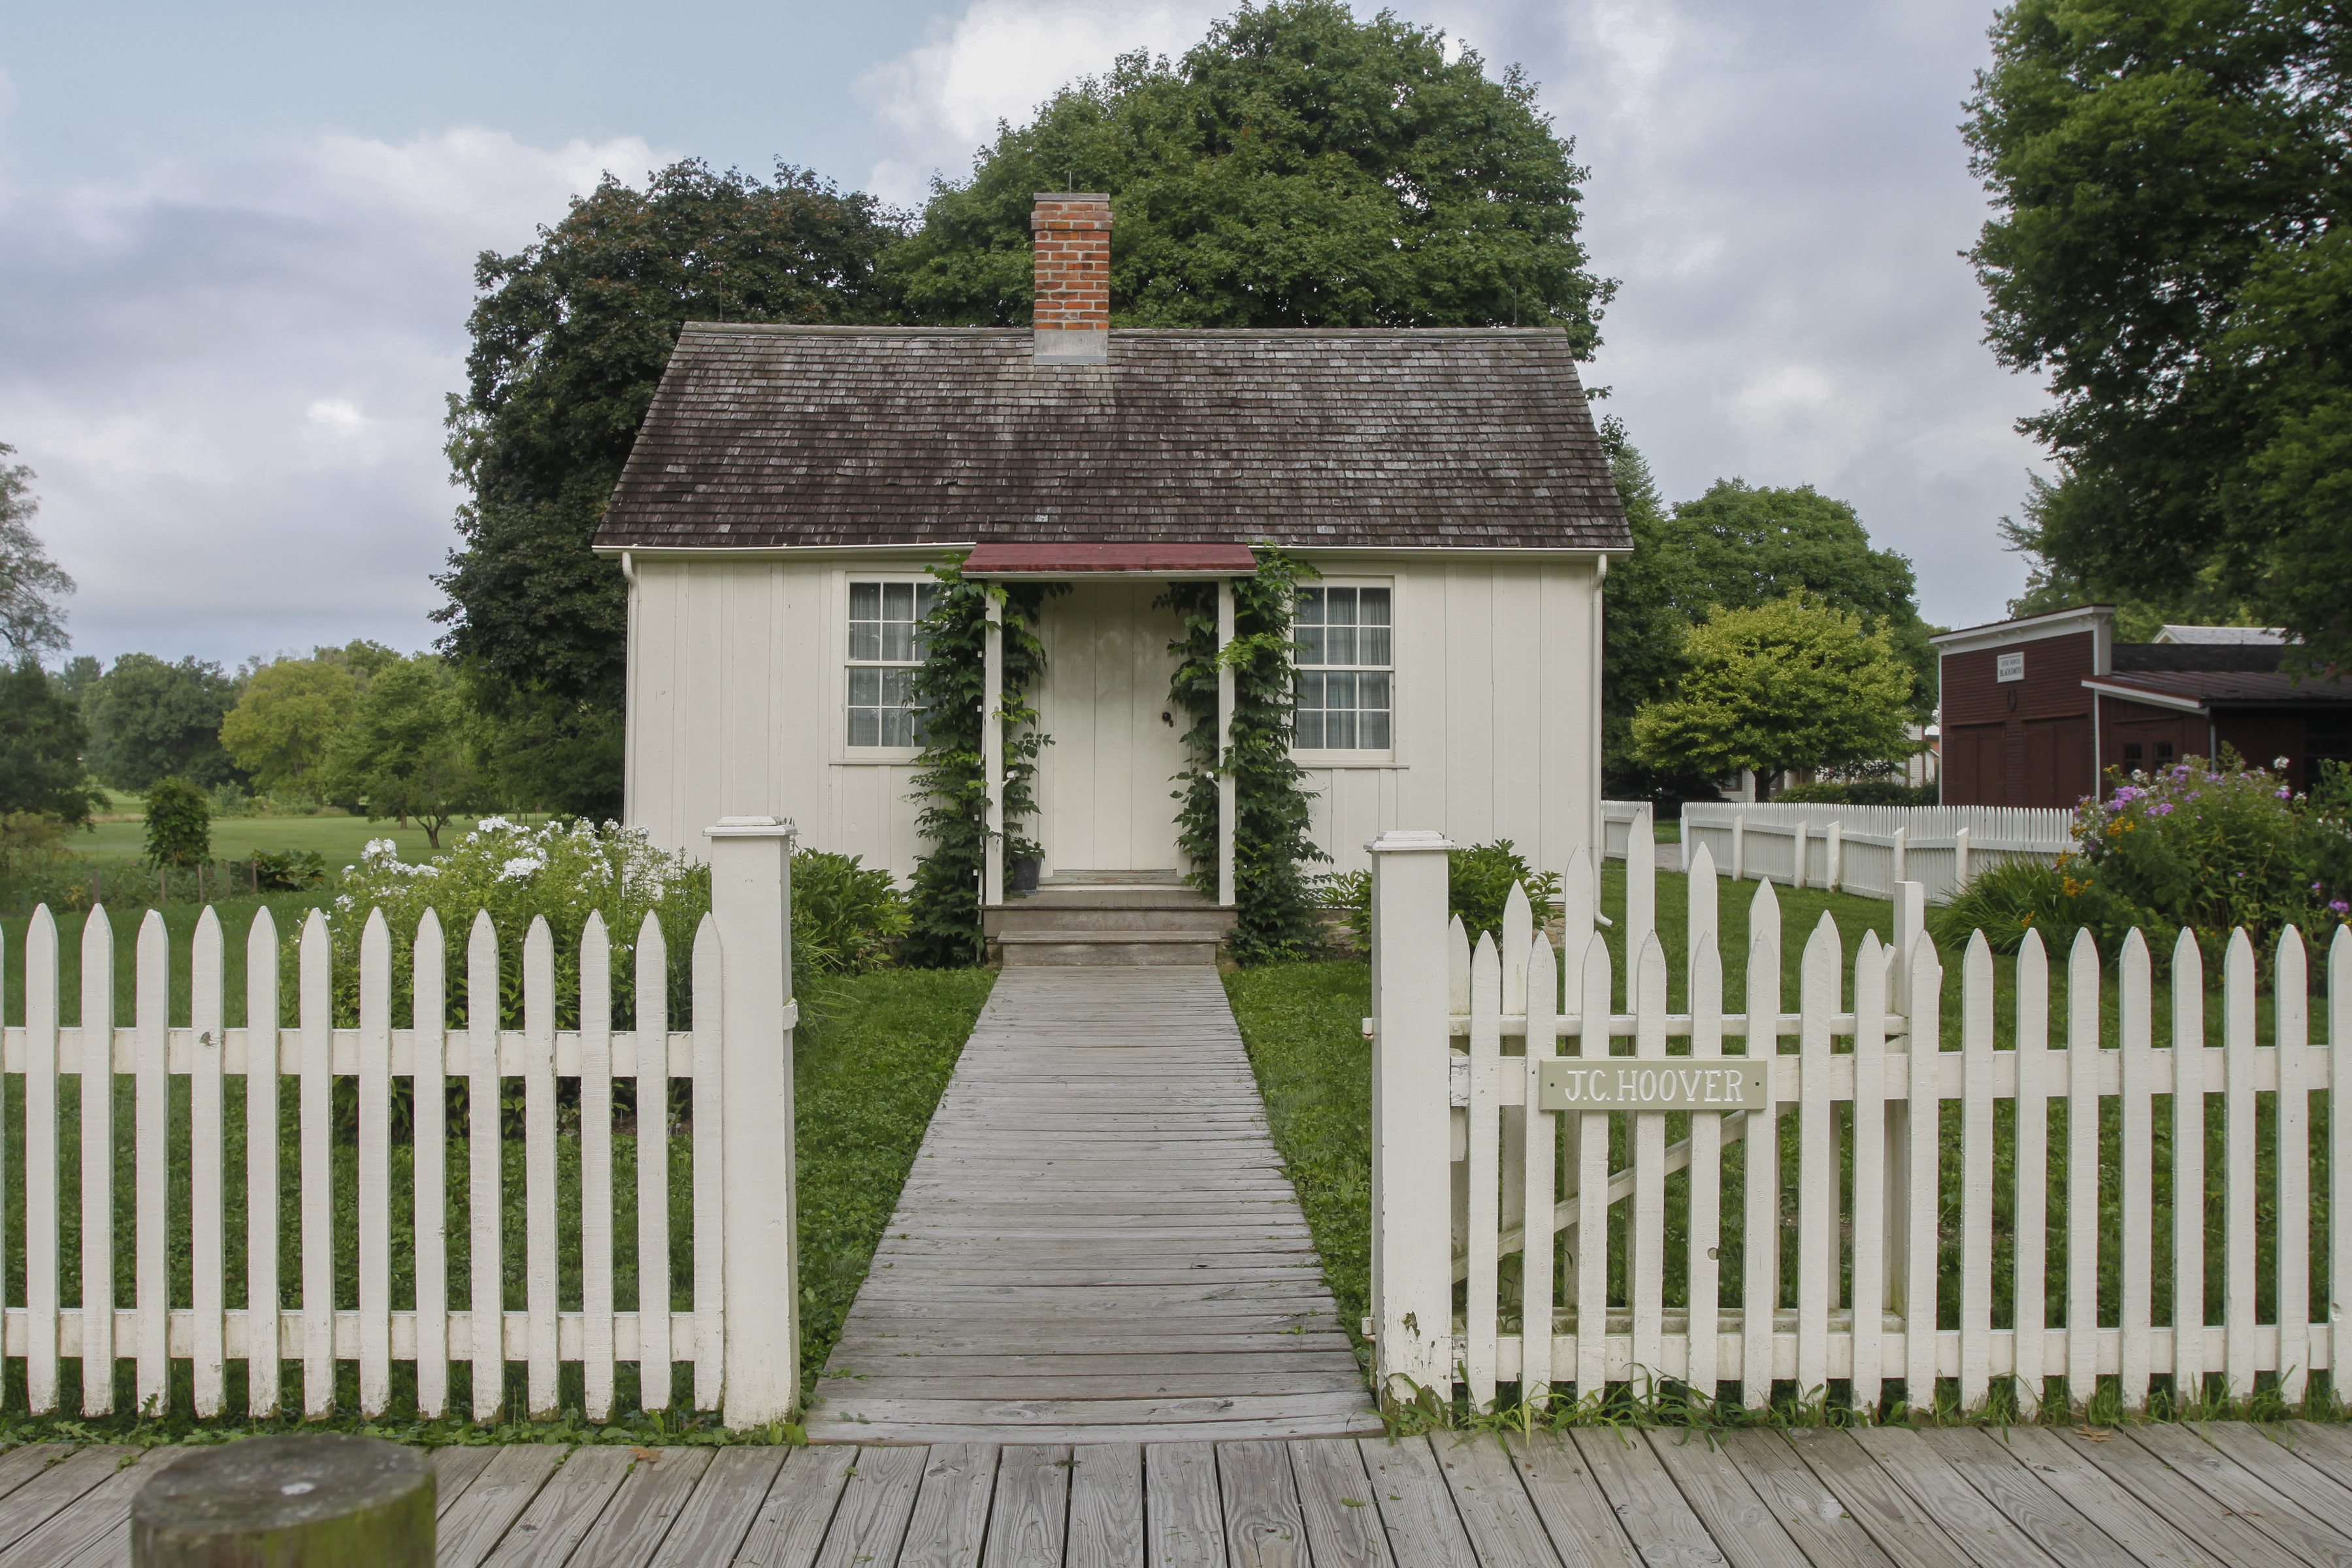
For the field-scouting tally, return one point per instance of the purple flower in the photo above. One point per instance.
(2340, 907)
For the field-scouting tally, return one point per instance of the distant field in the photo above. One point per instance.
(338, 839)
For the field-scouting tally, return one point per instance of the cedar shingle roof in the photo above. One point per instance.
(764, 435)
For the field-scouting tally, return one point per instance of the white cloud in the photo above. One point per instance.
(230, 379)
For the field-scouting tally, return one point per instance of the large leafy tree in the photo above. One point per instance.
(149, 720)
(1792, 683)
(2171, 183)
(570, 339)
(32, 622)
(290, 716)
(406, 752)
(41, 740)
(1297, 168)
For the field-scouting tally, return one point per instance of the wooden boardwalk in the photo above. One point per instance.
(2178, 1497)
(1096, 1242)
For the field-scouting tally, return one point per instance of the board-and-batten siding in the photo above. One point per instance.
(735, 708)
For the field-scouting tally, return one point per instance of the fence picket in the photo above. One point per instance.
(1921, 1147)
(2291, 1020)
(265, 1359)
(1817, 1155)
(1589, 1154)
(709, 1218)
(2339, 1156)
(98, 1217)
(2189, 1086)
(316, 1195)
(486, 1320)
(1759, 1295)
(1706, 1226)
(1485, 1226)
(2081, 1168)
(597, 1163)
(1579, 898)
(150, 1169)
(2240, 1179)
(429, 1090)
(539, 1167)
(652, 1025)
(2134, 1031)
(1518, 935)
(1645, 1226)
(1538, 1181)
(1641, 888)
(1799, 853)
(1702, 923)
(1869, 1170)
(1976, 1172)
(2030, 1204)
(206, 1088)
(41, 1236)
(375, 1165)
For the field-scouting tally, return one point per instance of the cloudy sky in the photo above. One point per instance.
(236, 245)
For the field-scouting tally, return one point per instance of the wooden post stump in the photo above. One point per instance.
(317, 1501)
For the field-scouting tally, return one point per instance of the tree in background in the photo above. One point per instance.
(148, 719)
(289, 716)
(406, 752)
(2051, 586)
(1298, 168)
(41, 743)
(2171, 249)
(570, 338)
(32, 622)
(179, 824)
(1792, 683)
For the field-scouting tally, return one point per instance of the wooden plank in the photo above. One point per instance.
(1576, 1514)
(469, 1532)
(789, 1528)
(564, 1511)
(1335, 1501)
(1505, 1529)
(1977, 1527)
(57, 1487)
(2309, 1488)
(2158, 1488)
(1106, 1528)
(1028, 1525)
(1264, 1527)
(2327, 1448)
(1648, 1505)
(1810, 1514)
(455, 1470)
(101, 1517)
(1895, 1523)
(2272, 1509)
(1727, 1508)
(718, 1515)
(870, 1520)
(1183, 1516)
(1416, 1508)
(21, 1465)
(2146, 1536)
(950, 1523)
(651, 1497)
(2014, 1491)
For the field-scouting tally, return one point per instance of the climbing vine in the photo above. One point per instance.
(952, 785)
(1275, 916)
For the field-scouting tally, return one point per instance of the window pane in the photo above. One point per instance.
(1343, 606)
(1339, 731)
(1372, 646)
(896, 685)
(1310, 690)
(1311, 607)
(1375, 606)
(866, 601)
(899, 640)
(1373, 691)
(1372, 733)
(898, 601)
(1310, 644)
(897, 727)
(1342, 648)
(927, 598)
(864, 689)
(865, 727)
(1339, 691)
(864, 639)
(1309, 736)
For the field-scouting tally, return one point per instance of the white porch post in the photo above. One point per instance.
(1224, 743)
(992, 749)
(1413, 1290)
(752, 904)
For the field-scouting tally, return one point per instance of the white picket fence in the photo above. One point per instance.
(741, 1335)
(1871, 850)
(1461, 1038)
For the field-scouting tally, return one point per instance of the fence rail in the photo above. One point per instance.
(741, 1333)
(1870, 849)
(1848, 1288)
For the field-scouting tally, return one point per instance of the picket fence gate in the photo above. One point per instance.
(741, 1335)
(1461, 1035)
(1872, 849)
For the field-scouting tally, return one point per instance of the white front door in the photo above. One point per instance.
(1106, 784)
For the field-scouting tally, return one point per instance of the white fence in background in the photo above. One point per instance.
(741, 1335)
(1858, 1081)
(1870, 849)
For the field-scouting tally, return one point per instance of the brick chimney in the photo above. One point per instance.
(1070, 231)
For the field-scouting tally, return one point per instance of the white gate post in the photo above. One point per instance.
(751, 903)
(1413, 1228)
(991, 750)
(1228, 800)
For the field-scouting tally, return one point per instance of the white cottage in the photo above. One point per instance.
(792, 485)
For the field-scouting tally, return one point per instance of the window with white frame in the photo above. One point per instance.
(885, 649)
(1345, 659)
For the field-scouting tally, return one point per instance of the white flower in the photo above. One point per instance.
(490, 824)
(521, 867)
(380, 849)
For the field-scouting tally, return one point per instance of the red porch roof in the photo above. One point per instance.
(1073, 560)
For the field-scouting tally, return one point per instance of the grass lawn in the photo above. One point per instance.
(337, 838)
(873, 1055)
(1302, 1023)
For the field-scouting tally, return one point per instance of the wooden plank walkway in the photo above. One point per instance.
(1096, 1242)
(2212, 1497)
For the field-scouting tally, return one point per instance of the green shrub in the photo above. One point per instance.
(846, 919)
(1478, 884)
(179, 824)
(1859, 792)
(289, 870)
(2010, 898)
